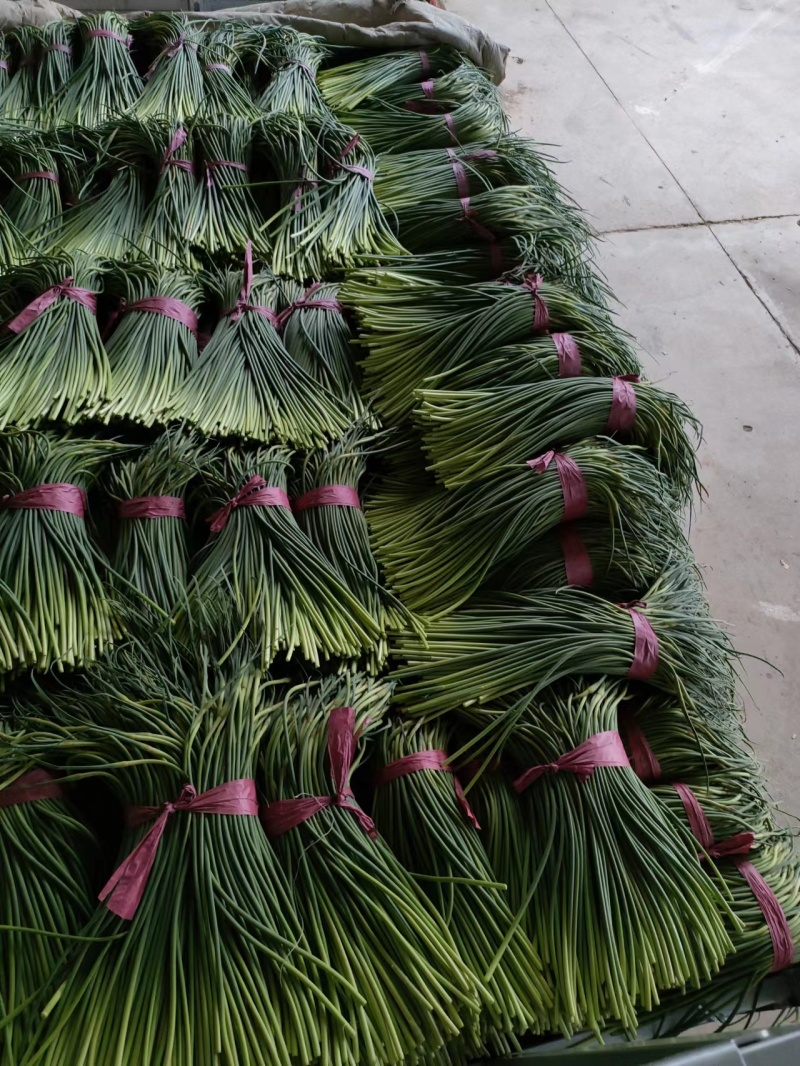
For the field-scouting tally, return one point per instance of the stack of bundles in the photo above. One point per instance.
(414, 327)
(105, 83)
(329, 216)
(220, 53)
(223, 215)
(165, 151)
(327, 507)
(54, 68)
(153, 344)
(319, 337)
(493, 517)
(710, 782)
(261, 574)
(107, 219)
(52, 361)
(197, 953)
(517, 642)
(404, 990)
(289, 61)
(30, 171)
(151, 555)
(174, 83)
(458, 108)
(438, 546)
(422, 812)
(471, 435)
(616, 901)
(54, 608)
(18, 100)
(246, 384)
(350, 85)
(464, 170)
(48, 860)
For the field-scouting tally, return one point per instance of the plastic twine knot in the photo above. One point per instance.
(254, 493)
(600, 749)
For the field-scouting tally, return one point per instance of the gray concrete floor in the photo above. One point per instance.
(679, 128)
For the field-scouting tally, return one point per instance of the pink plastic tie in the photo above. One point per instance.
(254, 493)
(213, 164)
(426, 64)
(178, 140)
(736, 848)
(451, 127)
(65, 49)
(328, 496)
(52, 496)
(777, 922)
(35, 785)
(645, 645)
(460, 173)
(577, 564)
(569, 355)
(220, 66)
(85, 297)
(434, 759)
(541, 316)
(307, 302)
(169, 53)
(643, 759)
(623, 404)
(282, 815)
(124, 890)
(602, 749)
(168, 306)
(152, 507)
(45, 175)
(573, 486)
(242, 301)
(352, 167)
(111, 36)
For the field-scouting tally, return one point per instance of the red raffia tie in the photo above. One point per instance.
(123, 891)
(645, 643)
(602, 749)
(573, 485)
(85, 297)
(152, 507)
(35, 785)
(111, 36)
(178, 140)
(577, 564)
(254, 493)
(213, 164)
(623, 404)
(46, 175)
(243, 299)
(328, 496)
(352, 167)
(541, 316)
(167, 306)
(282, 815)
(736, 848)
(434, 759)
(52, 496)
(569, 355)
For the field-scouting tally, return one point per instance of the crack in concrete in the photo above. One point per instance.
(698, 224)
